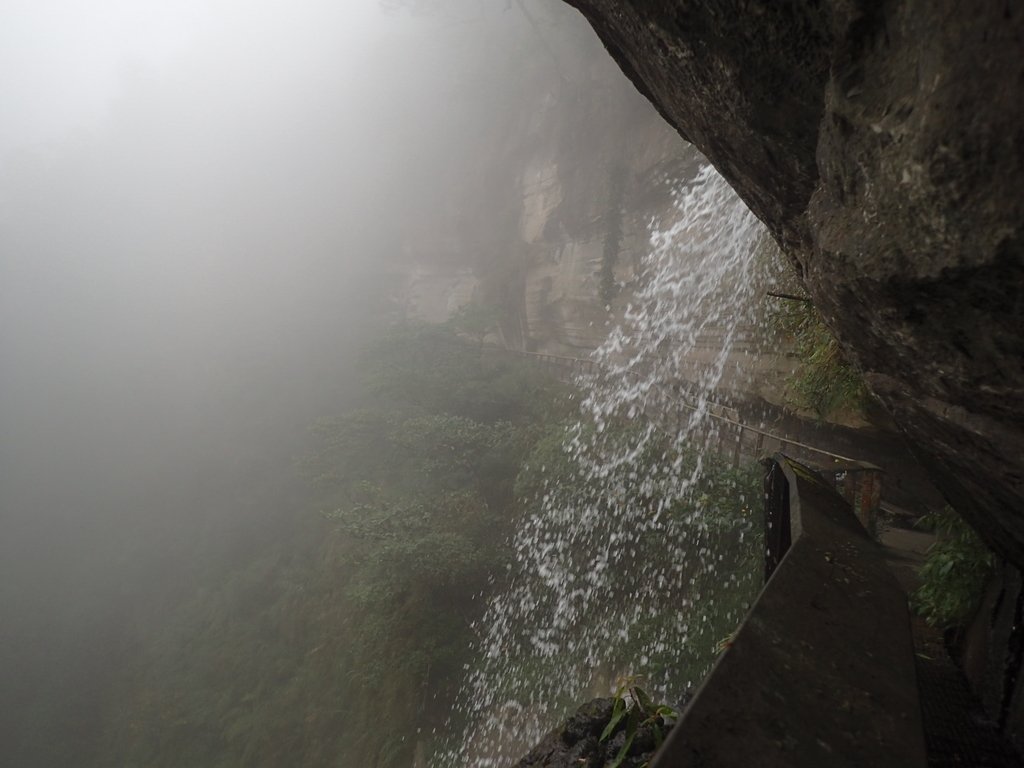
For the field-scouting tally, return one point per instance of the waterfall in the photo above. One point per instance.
(641, 555)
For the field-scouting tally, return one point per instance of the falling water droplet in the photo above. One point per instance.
(619, 571)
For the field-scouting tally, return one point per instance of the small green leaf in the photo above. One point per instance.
(641, 698)
(631, 726)
(665, 712)
(617, 712)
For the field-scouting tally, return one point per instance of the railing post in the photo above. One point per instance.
(777, 530)
(850, 490)
(871, 497)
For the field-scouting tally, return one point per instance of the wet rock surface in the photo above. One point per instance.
(882, 144)
(576, 743)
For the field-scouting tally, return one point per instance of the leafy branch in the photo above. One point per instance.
(634, 705)
(955, 571)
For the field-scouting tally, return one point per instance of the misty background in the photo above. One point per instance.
(206, 210)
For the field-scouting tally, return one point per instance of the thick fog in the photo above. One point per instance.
(203, 207)
(193, 207)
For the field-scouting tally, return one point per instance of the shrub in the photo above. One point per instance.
(957, 567)
(826, 381)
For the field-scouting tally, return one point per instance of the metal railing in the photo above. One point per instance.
(859, 482)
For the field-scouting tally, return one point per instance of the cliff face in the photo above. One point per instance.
(554, 219)
(583, 225)
(881, 143)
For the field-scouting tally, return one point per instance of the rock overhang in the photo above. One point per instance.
(882, 144)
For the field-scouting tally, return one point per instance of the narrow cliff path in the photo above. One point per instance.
(906, 484)
(956, 728)
(750, 428)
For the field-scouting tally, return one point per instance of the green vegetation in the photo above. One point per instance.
(344, 642)
(955, 572)
(634, 705)
(826, 382)
(422, 479)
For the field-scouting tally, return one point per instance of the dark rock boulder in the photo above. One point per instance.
(882, 143)
(576, 743)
